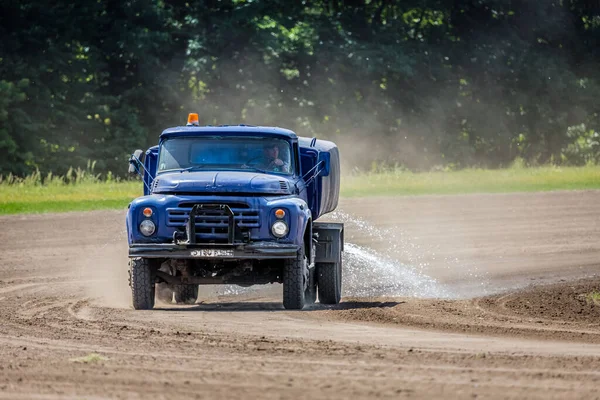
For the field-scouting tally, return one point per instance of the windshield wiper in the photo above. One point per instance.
(195, 167)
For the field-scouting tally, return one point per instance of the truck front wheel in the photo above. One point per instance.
(141, 280)
(295, 280)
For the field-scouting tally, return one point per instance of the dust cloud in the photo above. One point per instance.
(375, 131)
(104, 273)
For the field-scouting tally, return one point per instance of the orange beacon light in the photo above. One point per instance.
(192, 119)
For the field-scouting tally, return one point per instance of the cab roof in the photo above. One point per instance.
(242, 130)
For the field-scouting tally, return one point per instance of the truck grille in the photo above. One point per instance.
(212, 225)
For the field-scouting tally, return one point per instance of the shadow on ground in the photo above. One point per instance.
(274, 306)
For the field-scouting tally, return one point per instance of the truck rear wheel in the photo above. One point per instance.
(164, 292)
(330, 282)
(295, 273)
(141, 280)
(185, 294)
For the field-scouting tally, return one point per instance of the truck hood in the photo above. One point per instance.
(221, 182)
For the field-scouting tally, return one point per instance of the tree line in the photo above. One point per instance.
(416, 84)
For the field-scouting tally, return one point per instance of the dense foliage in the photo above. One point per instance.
(418, 84)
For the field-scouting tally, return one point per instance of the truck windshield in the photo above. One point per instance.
(226, 153)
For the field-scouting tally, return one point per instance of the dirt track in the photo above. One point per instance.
(63, 295)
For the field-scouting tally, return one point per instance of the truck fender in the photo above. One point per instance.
(330, 241)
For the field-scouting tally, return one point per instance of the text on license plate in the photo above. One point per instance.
(211, 253)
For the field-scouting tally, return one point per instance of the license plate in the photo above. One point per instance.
(211, 253)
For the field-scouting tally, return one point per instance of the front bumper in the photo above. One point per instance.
(259, 250)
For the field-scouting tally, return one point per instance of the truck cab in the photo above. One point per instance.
(235, 205)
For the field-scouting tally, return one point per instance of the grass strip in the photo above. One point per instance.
(61, 206)
(592, 298)
(472, 181)
(28, 199)
(91, 358)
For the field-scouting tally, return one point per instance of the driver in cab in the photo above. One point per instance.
(271, 160)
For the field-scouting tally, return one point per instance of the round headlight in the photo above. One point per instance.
(147, 227)
(279, 229)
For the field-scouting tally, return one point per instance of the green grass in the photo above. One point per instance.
(472, 181)
(30, 196)
(24, 198)
(91, 358)
(593, 298)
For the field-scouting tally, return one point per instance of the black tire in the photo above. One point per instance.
(329, 278)
(294, 282)
(185, 294)
(164, 292)
(141, 280)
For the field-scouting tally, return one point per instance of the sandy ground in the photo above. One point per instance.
(479, 296)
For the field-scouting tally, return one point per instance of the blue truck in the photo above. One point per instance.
(235, 204)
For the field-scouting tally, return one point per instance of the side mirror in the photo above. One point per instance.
(136, 162)
(324, 158)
